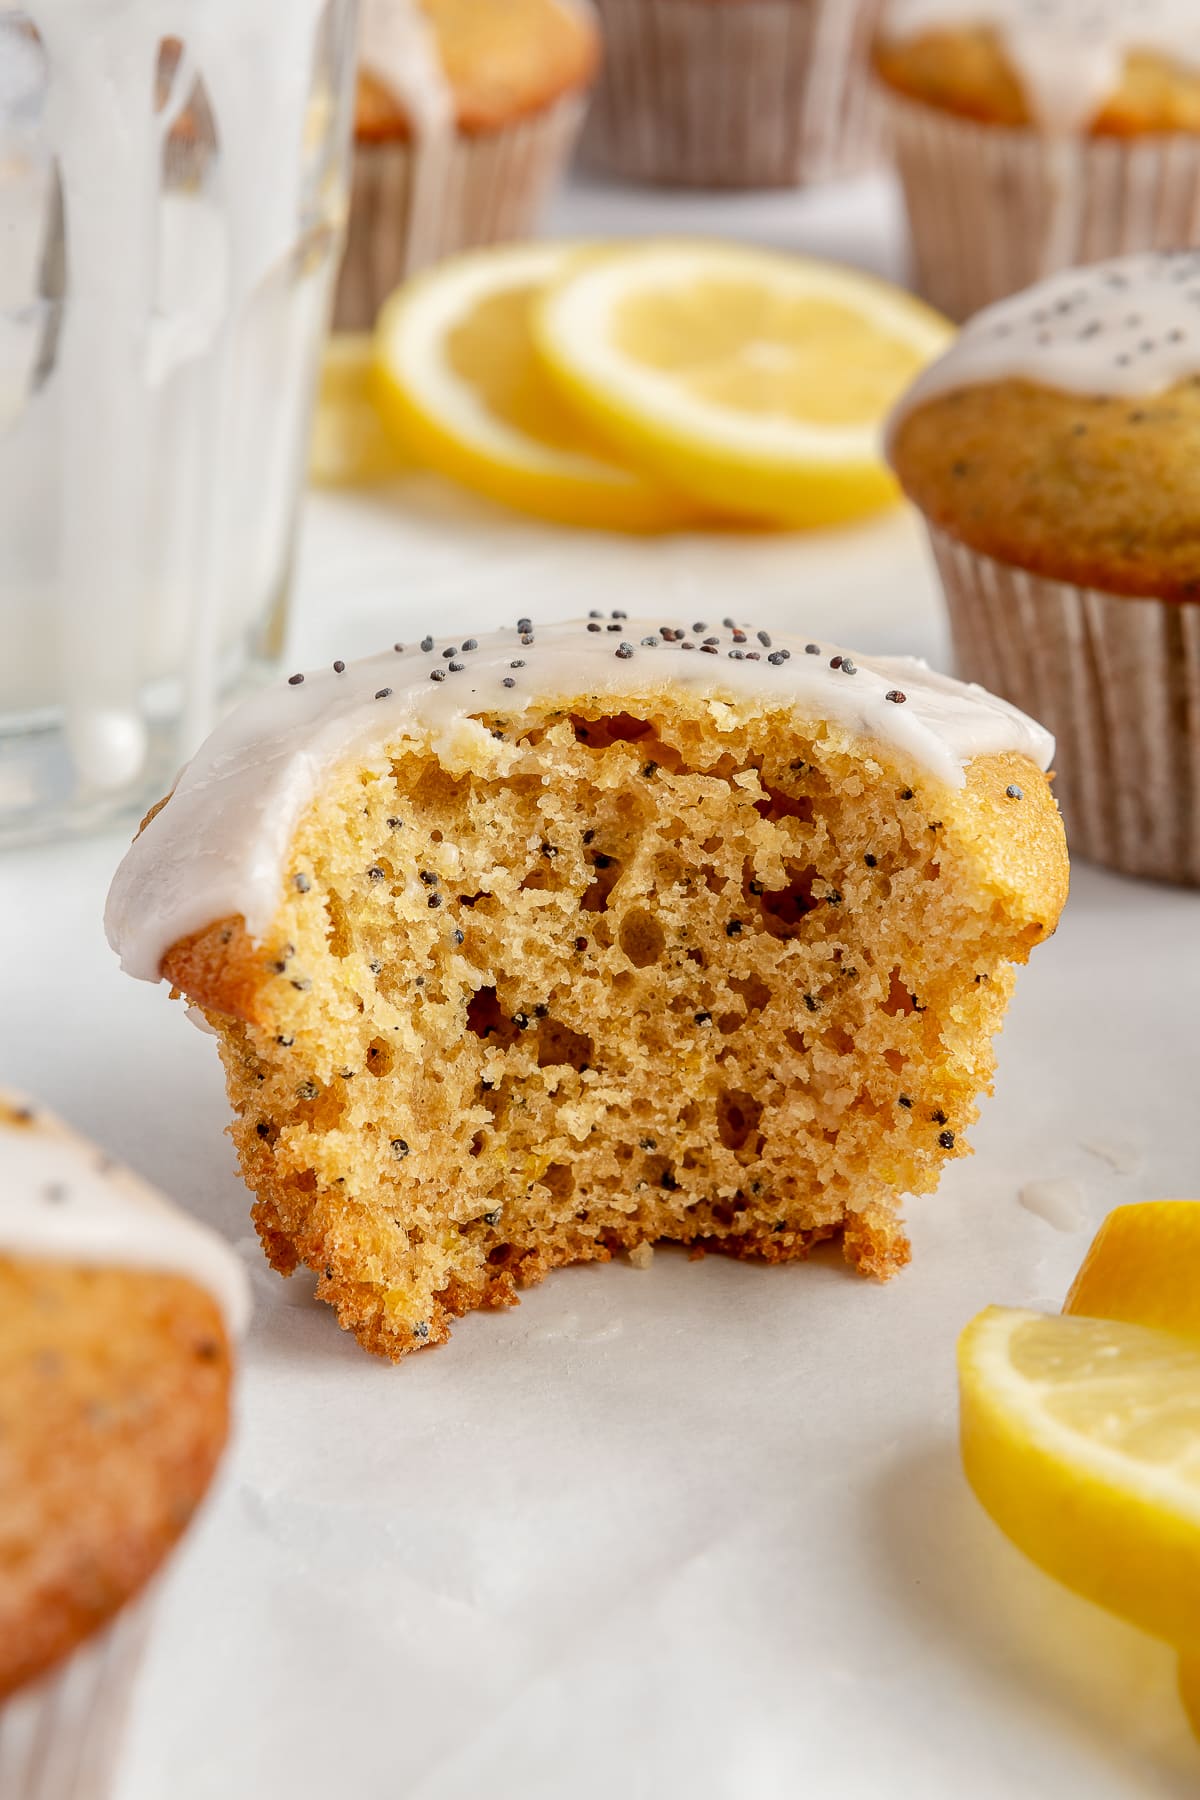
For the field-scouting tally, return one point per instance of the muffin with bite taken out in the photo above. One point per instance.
(534, 947)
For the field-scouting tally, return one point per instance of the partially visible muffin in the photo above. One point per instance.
(1055, 453)
(531, 948)
(117, 1322)
(467, 111)
(1032, 135)
(735, 93)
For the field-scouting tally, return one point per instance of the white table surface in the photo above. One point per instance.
(699, 1530)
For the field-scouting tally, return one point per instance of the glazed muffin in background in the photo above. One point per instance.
(735, 93)
(1034, 135)
(1055, 453)
(467, 114)
(530, 949)
(118, 1316)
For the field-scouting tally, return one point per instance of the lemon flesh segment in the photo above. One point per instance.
(457, 375)
(758, 382)
(1081, 1437)
(1189, 1689)
(1144, 1266)
(349, 442)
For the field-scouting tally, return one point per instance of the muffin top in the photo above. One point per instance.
(116, 1320)
(1111, 67)
(470, 65)
(219, 847)
(1060, 433)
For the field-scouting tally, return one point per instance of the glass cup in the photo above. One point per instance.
(173, 181)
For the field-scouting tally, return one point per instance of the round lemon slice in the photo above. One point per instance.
(1082, 1439)
(758, 382)
(457, 376)
(349, 442)
(1144, 1266)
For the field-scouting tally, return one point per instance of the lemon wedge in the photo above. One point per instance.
(457, 375)
(758, 382)
(1081, 1437)
(1144, 1265)
(349, 442)
(1189, 1689)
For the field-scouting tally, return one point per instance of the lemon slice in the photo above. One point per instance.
(1189, 1689)
(349, 442)
(456, 374)
(1144, 1266)
(1082, 1439)
(756, 381)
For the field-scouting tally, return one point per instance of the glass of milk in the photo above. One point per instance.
(173, 180)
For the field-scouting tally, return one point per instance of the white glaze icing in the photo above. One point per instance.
(1130, 328)
(219, 847)
(64, 1200)
(1068, 54)
(170, 298)
(397, 43)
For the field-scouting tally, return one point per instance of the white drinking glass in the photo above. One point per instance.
(173, 179)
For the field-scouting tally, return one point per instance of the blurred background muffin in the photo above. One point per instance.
(1055, 453)
(734, 93)
(467, 113)
(1032, 135)
(117, 1321)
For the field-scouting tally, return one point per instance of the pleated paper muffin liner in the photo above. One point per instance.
(1116, 680)
(61, 1738)
(413, 203)
(735, 93)
(994, 208)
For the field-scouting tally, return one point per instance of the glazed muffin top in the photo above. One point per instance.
(1109, 67)
(1060, 433)
(467, 65)
(117, 1316)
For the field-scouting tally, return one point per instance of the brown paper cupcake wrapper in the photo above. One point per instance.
(994, 208)
(412, 203)
(61, 1738)
(1118, 683)
(735, 93)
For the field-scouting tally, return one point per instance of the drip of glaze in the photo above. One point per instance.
(1069, 55)
(63, 1200)
(1128, 328)
(399, 46)
(219, 847)
(1059, 1203)
(257, 65)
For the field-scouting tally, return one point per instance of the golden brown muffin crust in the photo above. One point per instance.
(633, 977)
(503, 60)
(114, 1408)
(967, 71)
(1099, 492)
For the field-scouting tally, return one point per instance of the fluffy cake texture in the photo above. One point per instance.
(114, 1389)
(500, 62)
(1061, 433)
(599, 968)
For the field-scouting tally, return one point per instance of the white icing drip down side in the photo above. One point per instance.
(219, 847)
(1069, 55)
(1127, 328)
(398, 45)
(63, 1200)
